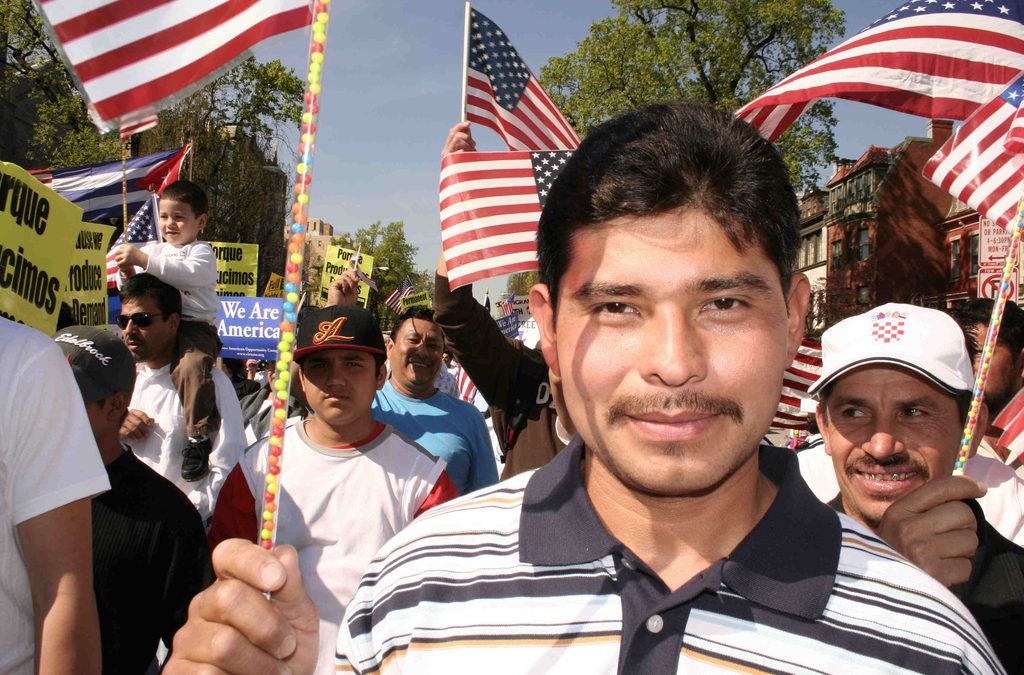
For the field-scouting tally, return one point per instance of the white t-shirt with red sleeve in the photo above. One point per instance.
(337, 507)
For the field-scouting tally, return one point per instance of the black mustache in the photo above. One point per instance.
(689, 401)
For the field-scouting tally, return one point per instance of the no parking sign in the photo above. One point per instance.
(995, 246)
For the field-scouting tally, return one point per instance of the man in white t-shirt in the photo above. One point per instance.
(155, 426)
(49, 468)
(350, 481)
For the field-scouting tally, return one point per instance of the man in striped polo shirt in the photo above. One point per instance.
(663, 538)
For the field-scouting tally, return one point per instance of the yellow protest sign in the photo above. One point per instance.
(86, 291)
(275, 286)
(336, 261)
(415, 300)
(236, 268)
(38, 229)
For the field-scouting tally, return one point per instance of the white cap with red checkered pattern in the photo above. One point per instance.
(926, 341)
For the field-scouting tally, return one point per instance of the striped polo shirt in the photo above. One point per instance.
(522, 577)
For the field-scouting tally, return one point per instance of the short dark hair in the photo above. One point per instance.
(668, 156)
(190, 193)
(978, 312)
(167, 297)
(418, 312)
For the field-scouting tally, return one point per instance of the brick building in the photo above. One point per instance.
(883, 241)
(813, 257)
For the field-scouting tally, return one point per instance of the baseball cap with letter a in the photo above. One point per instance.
(339, 327)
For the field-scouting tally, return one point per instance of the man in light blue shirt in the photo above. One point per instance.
(445, 426)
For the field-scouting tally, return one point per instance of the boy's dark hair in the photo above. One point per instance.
(669, 156)
(167, 297)
(187, 192)
(978, 312)
(417, 312)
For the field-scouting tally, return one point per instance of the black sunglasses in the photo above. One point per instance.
(140, 319)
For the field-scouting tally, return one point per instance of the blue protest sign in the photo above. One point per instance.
(249, 327)
(509, 325)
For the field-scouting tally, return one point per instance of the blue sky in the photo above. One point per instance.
(392, 90)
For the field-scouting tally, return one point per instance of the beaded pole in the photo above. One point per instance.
(293, 271)
(990, 342)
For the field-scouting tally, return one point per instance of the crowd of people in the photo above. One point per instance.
(642, 524)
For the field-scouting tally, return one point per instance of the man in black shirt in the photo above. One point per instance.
(150, 555)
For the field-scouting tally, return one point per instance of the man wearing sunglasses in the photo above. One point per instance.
(155, 425)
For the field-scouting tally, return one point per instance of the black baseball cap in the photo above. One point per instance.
(338, 327)
(101, 363)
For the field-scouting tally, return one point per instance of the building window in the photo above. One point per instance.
(863, 243)
(974, 256)
(863, 295)
(954, 260)
(837, 254)
(820, 243)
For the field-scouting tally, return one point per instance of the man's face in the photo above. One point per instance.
(889, 431)
(414, 353)
(671, 345)
(152, 345)
(339, 386)
(1004, 372)
(179, 224)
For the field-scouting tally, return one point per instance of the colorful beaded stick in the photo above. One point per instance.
(293, 270)
(990, 343)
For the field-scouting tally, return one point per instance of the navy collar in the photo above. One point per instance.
(787, 562)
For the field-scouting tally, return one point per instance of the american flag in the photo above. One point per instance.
(127, 56)
(141, 230)
(490, 204)
(798, 378)
(1010, 423)
(935, 58)
(467, 390)
(508, 305)
(137, 122)
(97, 187)
(394, 301)
(503, 94)
(977, 165)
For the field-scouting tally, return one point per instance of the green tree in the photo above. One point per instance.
(46, 123)
(393, 260)
(520, 283)
(234, 124)
(723, 52)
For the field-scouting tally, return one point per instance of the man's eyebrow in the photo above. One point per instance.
(747, 282)
(597, 289)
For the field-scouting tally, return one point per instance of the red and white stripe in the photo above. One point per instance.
(489, 213)
(130, 54)
(931, 64)
(137, 122)
(467, 390)
(535, 124)
(975, 165)
(798, 378)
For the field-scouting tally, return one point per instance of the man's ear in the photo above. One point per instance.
(798, 299)
(201, 222)
(820, 418)
(544, 314)
(382, 375)
(174, 320)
